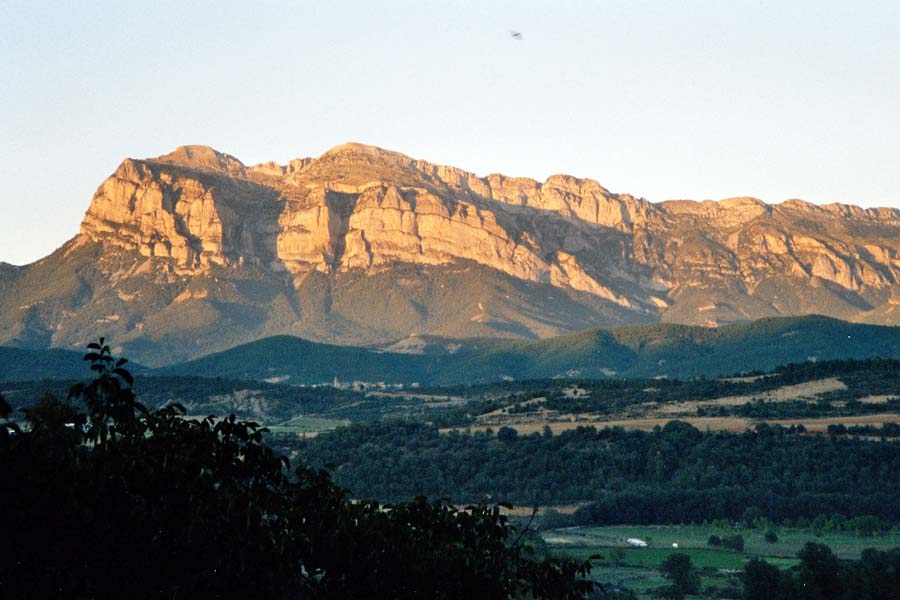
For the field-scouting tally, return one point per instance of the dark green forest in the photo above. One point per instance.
(676, 474)
(639, 351)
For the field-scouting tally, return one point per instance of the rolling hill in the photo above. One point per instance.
(657, 350)
(22, 364)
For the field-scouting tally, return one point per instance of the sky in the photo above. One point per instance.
(663, 99)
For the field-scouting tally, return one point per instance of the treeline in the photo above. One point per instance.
(821, 576)
(823, 406)
(261, 401)
(213, 393)
(887, 430)
(675, 474)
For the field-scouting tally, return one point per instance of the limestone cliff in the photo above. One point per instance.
(360, 207)
(364, 245)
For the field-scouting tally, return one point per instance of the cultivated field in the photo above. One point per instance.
(533, 415)
(637, 568)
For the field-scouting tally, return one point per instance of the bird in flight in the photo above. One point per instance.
(516, 34)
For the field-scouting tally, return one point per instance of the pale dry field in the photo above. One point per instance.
(430, 399)
(500, 415)
(802, 391)
(883, 399)
(734, 424)
(646, 424)
(820, 425)
(647, 415)
(525, 511)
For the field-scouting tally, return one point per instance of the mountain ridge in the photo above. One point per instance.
(643, 351)
(193, 251)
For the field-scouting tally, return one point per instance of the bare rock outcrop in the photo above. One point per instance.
(361, 207)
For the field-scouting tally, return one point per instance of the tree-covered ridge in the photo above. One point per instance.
(102, 497)
(261, 401)
(675, 474)
(308, 407)
(643, 351)
(29, 364)
(602, 397)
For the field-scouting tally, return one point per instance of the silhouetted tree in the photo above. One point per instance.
(763, 581)
(678, 569)
(819, 575)
(103, 498)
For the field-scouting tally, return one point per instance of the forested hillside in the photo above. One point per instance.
(676, 474)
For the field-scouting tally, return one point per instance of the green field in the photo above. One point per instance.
(638, 567)
(303, 425)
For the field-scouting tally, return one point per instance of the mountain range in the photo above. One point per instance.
(194, 252)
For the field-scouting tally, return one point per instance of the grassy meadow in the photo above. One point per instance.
(637, 568)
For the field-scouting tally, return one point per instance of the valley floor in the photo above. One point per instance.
(637, 568)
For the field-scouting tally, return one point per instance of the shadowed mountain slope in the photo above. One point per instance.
(660, 350)
(22, 364)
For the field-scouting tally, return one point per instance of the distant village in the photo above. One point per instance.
(362, 386)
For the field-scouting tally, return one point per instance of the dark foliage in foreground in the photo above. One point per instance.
(121, 501)
(676, 474)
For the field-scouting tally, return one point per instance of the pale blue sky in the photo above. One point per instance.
(662, 99)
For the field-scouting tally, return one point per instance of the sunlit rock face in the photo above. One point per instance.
(359, 207)
(366, 245)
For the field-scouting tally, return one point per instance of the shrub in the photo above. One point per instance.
(678, 569)
(733, 542)
(507, 434)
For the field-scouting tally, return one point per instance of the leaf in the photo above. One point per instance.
(124, 374)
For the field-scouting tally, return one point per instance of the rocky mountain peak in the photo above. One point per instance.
(358, 150)
(203, 158)
(353, 166)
